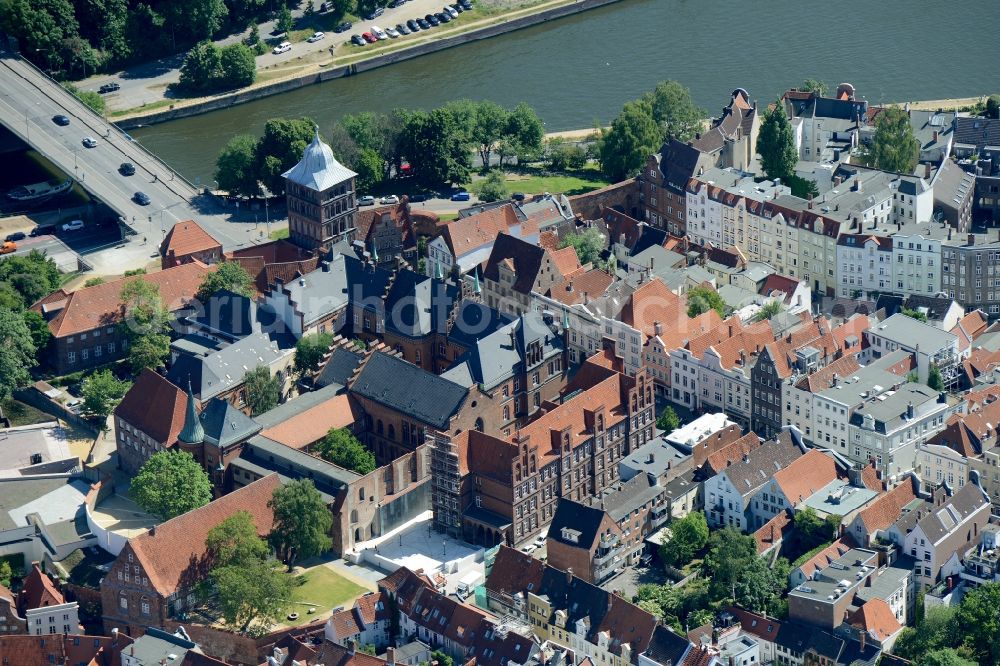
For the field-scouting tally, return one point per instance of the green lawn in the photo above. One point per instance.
(556, 183)
(278, 234)
(322, 588)
(21, 414)
(447, 217)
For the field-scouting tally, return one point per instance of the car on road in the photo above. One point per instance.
(413, 25)
(375, 14)
(16, 236)
(369, 37)
(421, 196)
(389, 199)
(141, 198)
(461, 196)
(358, 40)
(60, 120)
(73, 225)
(392, 32)
(42, 231)
(450, 11)
(424, 24)
(402, 29)
(283, 47)
(7, 247)
(110, 87)
(126, 169)
(443, 17)
(343, 27)
(89, 142)
(316, 36)
(433, 20)
(366, 200)
(529, 549)
(378, 32)
(395, 3)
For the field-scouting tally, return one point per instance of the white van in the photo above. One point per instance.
(379, 32)
(283, 47)
(74, 225)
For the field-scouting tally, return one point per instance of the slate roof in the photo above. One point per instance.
(336, 283)
(667, 646)
(584, 520)
(475, 320)
(975, 131)
(225, 369)
(339, 367)
(290, 463)
(940, 521)
(155, 406)
(399, 385)
(526, 258)
(758, 466)
(225, 425)
(418, 305)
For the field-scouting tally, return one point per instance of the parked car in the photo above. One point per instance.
(73, 225)
(343, 27)
(530, 548)
(450, 11)
(366, 200)
(392, 32)
(141, 198)
(316, 36)
(60, 120)
(379, 32)
(16, 236)
(466, 4)
(389, 199)
(458, 8)
(461, 196)
(539, 540)
(42, 231)
(358, 40)
(395, 3)
(323, 7)
(421, 196)
(109, 87)
(375, 14)
(424, 24)
(126, 169)
(517, 196)
(89, 142)
(413, 25)
(433, 20)
(443, 17)
(402, 29)
(7, 247)
(369, 37)
(283, 47)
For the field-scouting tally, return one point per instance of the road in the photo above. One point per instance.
(147, 83)
(29, 100)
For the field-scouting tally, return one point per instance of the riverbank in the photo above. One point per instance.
(346, 61)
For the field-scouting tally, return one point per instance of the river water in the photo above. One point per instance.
(580, 70)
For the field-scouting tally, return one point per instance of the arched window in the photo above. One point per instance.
(392, 432)
(357, 534)
(479, 424)
(378, 427)
(354, 515)
(361, 494)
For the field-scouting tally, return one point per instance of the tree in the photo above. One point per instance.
(729, 552)
(437, 146)
(343, 449)
(814, 85)
(688, 536)
(674, 111)
(633, 137)
(194, 20)
(993, 106)
(341, 7)
(589, 244)
(252, 591)
(88, 97)
(760, 586)
(17, 352)
(914, 314)
(894, 148)
(944, 657)
(148, 351)
(238, 67)
(280, 148)
(493, 187)
(524, 133)
(812, 531)
(39, 328)
(6, 573)
(263, 390)
(145, 32)
(228, 276)
(171, 483)
(202, 68)
(488, 127)
(701, 299)
(32, 276)
(936, 629)
(94, 281)
(978, 621)
(768, 310)
(441, 658)
(302, 521)
(235, 541)
(309, 352)
(285, 22)
(776, 144)
(736, 572)
(236, 166)
(42, 27)
(668, 421)
(144, 324)
(369, 167)
(934, 379)
(102, 391)
(309, 14)
(564, 155)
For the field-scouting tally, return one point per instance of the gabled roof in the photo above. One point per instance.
(667, 646)
(402, 386)
(582, 520)
(771, 533)
(154, 406)
(173, 554)
(332, 654)
(312, 424)
(822, 559)
(566, 261)
(876, 618)
(188, 237)
(976, 131)
(39, 590)
(467, 234)
(581, 286)
(339, 367)
(757, 467)
(525, 259)
(806, 475)
(732, 452)
(941, 521)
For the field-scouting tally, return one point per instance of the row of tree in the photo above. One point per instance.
(24, 334)
(438, 145)
(208, 68)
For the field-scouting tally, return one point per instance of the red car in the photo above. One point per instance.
(369, 37)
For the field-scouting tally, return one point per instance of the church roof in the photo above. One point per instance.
(318, 169)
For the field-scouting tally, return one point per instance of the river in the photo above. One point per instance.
(580, 70)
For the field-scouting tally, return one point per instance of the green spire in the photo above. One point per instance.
(476, 289)
(374, 253)
(437, 270)
(192, 432)
(565, 321)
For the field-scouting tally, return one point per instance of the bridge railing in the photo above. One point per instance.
(68, 95)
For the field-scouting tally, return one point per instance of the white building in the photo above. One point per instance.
(916, 261)
(864, 265)
(929, 345)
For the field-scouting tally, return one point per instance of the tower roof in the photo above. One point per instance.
(193, 432)
(318, 169)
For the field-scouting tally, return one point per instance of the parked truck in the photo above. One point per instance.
(467, 584)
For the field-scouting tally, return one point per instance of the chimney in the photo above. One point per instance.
(972, 240)
(935, 136)
(857, 187)
(390, 656)
(837, 180)
(862, 636)
(810, 202)
(909, 410)
(949, 233)
(657, 328)
(351, 646)
(569, 575)
(927, 168)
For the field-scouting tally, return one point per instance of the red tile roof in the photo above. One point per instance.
(465, 234)
(886, 509)
(730, 453)
(98, 306)
(39, 591)
(61, 649)
(820, 380)
(311, 425)
(186, 238)
(581, 286)
(566, 261)
(331, 654)
(824, 557)
(154, 406)
(170, 551)
(876, 618)
(773, 531)
(806, 475)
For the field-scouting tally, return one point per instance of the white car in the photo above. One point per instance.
(530, 548)
(392, 32)
(283, 47)
(450, 11)
(379, 32)
(389, 199)
(90, 142)
(75, 225)
(316, 37)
